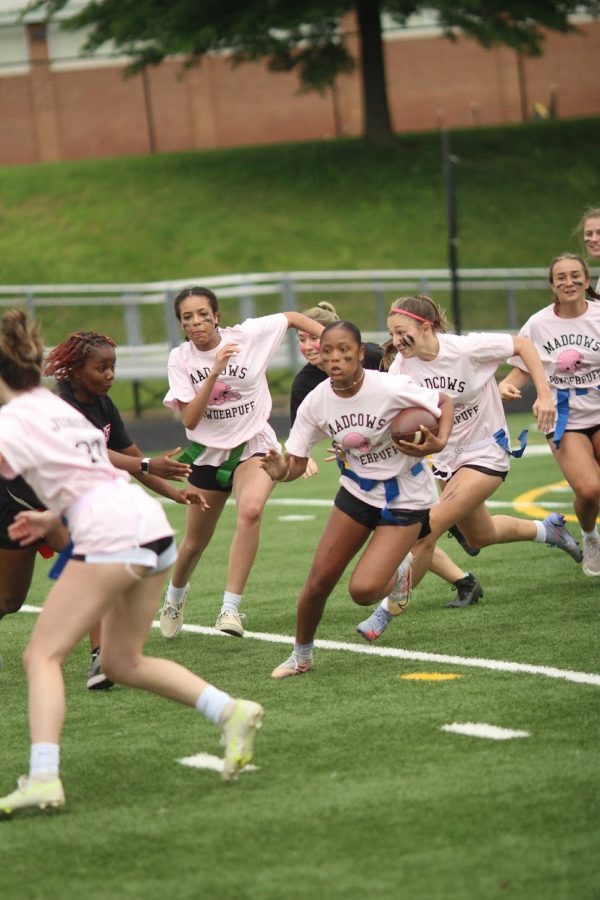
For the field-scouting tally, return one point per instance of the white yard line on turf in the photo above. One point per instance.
(497, 665)
(483, 730)
(208, 761)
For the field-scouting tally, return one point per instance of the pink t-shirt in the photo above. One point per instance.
(570, 354)
(464, 370)
(359, 428)
(64, 459)
(240, 403)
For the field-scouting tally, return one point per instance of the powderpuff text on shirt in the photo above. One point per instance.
(231, 412)
(464, 413)
(363, 449)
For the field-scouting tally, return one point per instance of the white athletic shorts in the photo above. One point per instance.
(155, 555)
(116, 516)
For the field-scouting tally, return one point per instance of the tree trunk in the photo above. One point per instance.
(377, 126)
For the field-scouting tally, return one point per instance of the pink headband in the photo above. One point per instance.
(405, 312)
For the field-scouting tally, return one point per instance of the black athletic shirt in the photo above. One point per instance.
(310, 376)
(102, 413)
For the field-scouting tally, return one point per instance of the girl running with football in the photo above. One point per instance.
(217, 382)
(476, 458)
(567, 336)
(384, 498)
(115, 574)
(468, 590)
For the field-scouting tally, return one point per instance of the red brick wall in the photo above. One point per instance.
(94, 112)
(99, 113)
(17, 134)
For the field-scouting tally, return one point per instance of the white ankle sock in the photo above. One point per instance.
(303, 651)
(231, 602)
(43, 760)
(176, 594)
(211, 703)
(540, 537)
(590, 534)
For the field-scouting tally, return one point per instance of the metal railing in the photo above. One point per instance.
(141, 357)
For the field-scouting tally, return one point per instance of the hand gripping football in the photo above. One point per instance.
(406, 425)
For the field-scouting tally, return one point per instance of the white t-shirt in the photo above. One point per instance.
(359, 428)
(464, 370)
(570, 354)
(64, 459)
(240, 404)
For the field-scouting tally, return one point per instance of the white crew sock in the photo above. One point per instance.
(43, 760)
(541, 536)
(175, 594)
(231, 602)
(212, 702)
(302, 652)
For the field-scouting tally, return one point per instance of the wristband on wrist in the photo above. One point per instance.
(145, 465)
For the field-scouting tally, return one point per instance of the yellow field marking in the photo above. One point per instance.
(430, 676)
(525, 503)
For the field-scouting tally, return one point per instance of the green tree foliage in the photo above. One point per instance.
(306, 35)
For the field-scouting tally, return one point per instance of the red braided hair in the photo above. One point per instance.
(65, 359)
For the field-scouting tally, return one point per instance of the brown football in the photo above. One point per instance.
(406, 425)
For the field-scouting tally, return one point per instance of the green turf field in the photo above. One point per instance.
(358, 792)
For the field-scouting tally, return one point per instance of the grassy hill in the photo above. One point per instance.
(321, 205)
(325, 205)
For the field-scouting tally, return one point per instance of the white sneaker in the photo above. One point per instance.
(292, 666)
(230, 623)
(239, 731)
(33, 792)
(171, 616)
(591, 556)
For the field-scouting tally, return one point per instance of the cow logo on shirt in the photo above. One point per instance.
(223, 393)
(571, 361)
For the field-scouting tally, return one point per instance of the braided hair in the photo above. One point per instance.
(70, 356)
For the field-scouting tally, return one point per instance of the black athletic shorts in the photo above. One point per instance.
(589, 432)
(9, 507)
(370, 516)
(205, 477)
(482, 469)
